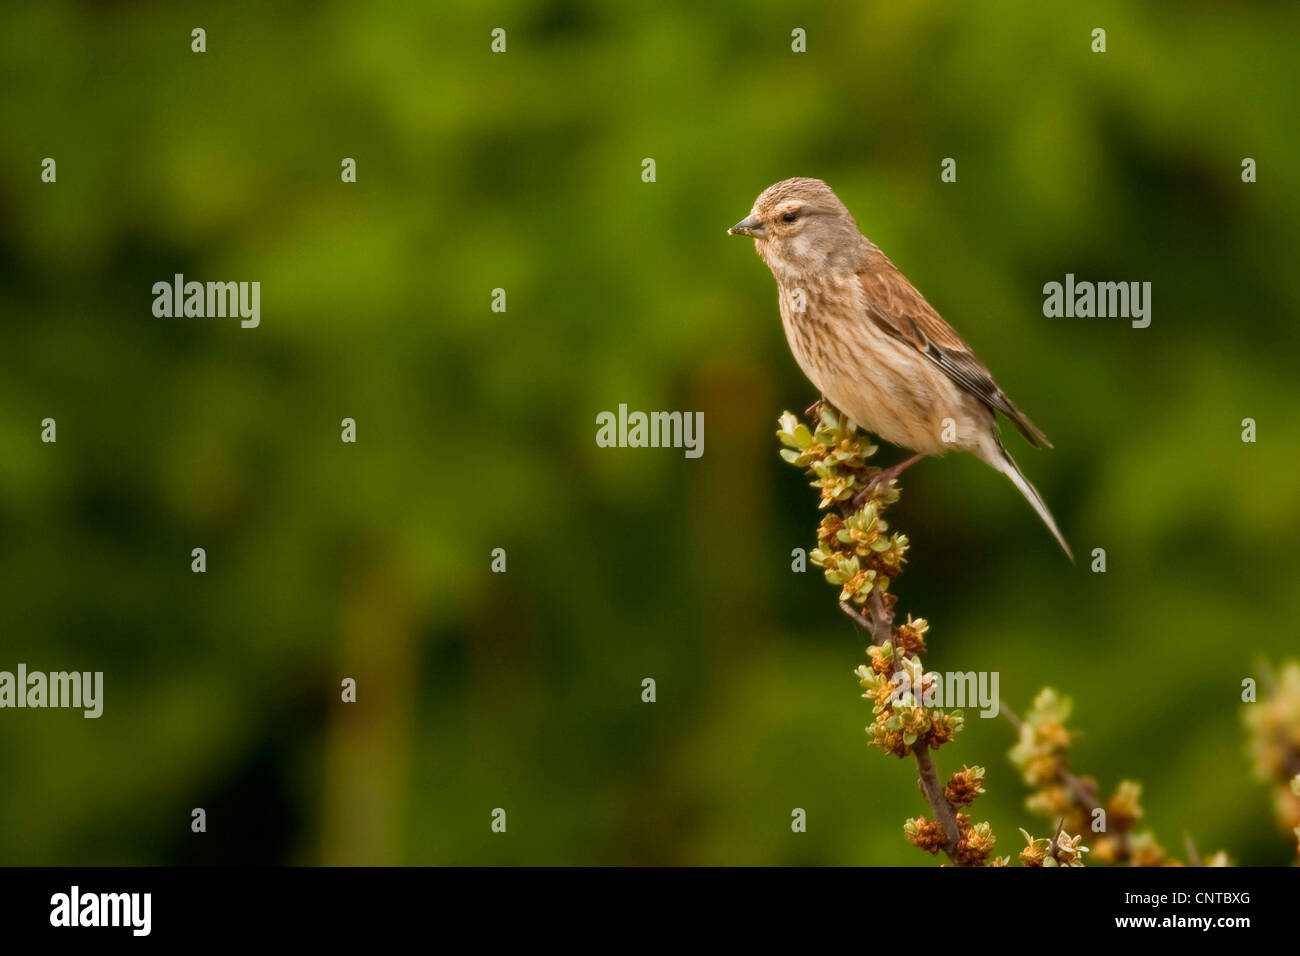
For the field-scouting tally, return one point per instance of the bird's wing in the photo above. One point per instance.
(896, 307)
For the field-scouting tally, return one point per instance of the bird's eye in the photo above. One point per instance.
(790, 217)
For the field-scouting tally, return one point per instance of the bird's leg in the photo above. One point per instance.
(883, 476)
(812, 409)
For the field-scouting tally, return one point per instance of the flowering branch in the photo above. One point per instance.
(1042, 755)
(858, 553)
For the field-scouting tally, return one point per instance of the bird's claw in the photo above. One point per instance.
(875, 481)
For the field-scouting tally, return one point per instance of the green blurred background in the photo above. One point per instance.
(476, 429)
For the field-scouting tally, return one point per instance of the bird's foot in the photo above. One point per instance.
(812, 410)
(874, 482)
(882, 477)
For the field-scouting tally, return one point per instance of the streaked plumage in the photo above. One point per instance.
(870, 341)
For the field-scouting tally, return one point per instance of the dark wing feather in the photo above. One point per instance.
(896, 307)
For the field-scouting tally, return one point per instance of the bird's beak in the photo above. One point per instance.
(748, 227)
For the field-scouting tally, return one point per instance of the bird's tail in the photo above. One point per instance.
(1007, 465)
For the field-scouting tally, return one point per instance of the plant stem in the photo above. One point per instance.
(933, 792)
(880, 624)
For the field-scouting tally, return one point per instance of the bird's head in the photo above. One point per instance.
(800, 226)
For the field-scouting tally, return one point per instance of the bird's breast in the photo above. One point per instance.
(885, 386)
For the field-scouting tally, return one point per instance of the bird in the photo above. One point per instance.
(872, 344)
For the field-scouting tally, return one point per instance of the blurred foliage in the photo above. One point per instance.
(476, 429)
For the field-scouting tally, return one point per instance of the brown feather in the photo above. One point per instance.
(895, 305)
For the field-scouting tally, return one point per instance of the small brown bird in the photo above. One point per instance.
(871, 343)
